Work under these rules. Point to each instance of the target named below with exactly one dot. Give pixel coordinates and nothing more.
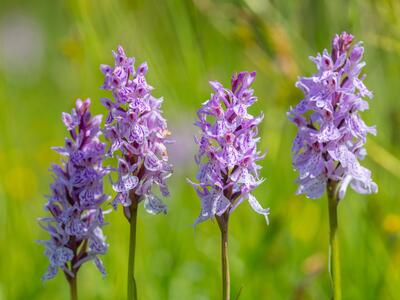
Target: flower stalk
(334, 259)
(132, 291)
(73, 288)
(223, 222)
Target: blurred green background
(50, 53)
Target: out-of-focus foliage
(50, 53)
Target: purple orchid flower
(331, 135)
(227, 158)
(136, 131)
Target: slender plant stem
(73, 287)
(132, 292)
(334, 258)
(223, 226)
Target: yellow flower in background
(391, 223)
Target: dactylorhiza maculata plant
(138, 135)
(76, 198)
(227, 158)
(331, 134)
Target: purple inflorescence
(136, 128)
(227, 156)
(331, 134)
(76, 197)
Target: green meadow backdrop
(50, 53)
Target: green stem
(223, 226)
(334, 258)
(73, 288)
(132, 292)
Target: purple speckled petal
(154, 205)
(255, 205)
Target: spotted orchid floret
(331, 134)
(227, 157)
(74, 205)
(137, 133)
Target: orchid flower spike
(331, 134)
(228, 155)
(76, 217)
(138, 133)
